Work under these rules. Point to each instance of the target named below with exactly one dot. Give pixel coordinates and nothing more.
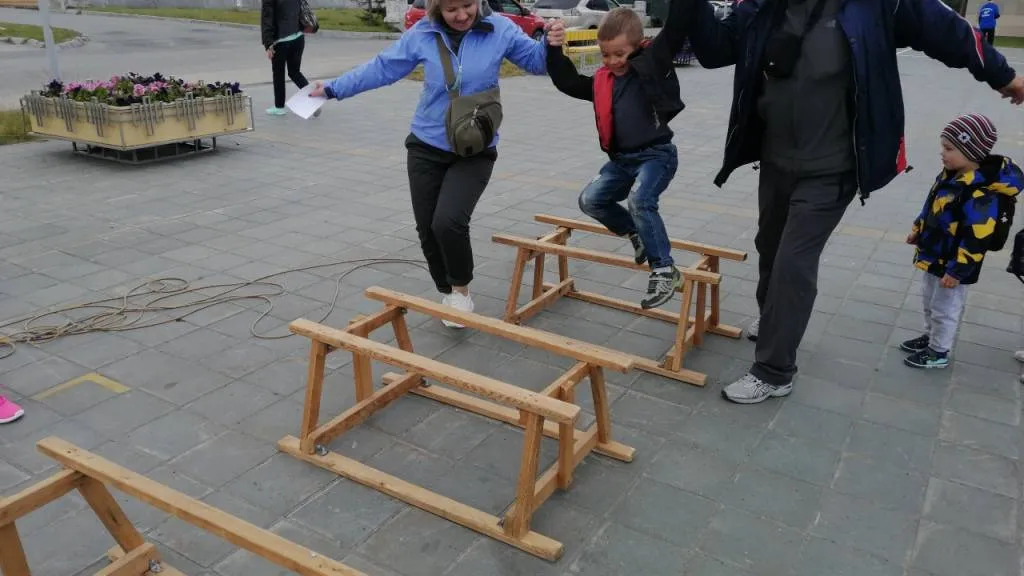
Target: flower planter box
(141, 125)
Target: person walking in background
(283, 26)
(453, 145)
(987, 16)
(961, 220)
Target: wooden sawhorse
(133, 556)
(702, 278)
(551, 412)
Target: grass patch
(36, 32)
(1010, 41)
(13, 127)
(347, 19)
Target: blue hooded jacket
(491, 40)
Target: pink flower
(139, 90)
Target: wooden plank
(682, 375)
(453, 510)
(263, 543)
(550, 294)
(699, 248)
(314, 392)
(538, 276)
(601, 411)
(362, 368)
(487, 409)
(115, 554)
(109, 512)
(519, 523)
(444, 373)
(357, 414)
(683, 332)
(134, 563)
(401, 329)
(568, 347)
(38, 495)
(700, 326)
(585, 443)
(12, 554)
(516, 284)
(715, 294)
(363, 325)
(569, 379)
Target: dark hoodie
(959, 216)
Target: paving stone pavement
(869, 468)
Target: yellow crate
(138, 125)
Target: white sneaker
(753, 329)
(752, 390)
(462, 303)
(1019, 355)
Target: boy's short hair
(621, 21)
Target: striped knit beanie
(972, 134)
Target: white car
(585, 14)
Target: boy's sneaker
(459, 301)
(9, 411)
(919, 344)
(753, 329)
(660, 288)
(927, 358)
(639, 254)
(272, 111)
(1019, 355)
(752, 390)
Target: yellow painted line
(94, 377)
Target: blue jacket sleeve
(713, 41)
(935, 29)
(388, 67)
(980, 213)
(525, 52)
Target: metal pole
(51, 48)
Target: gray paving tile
(821, 556)
(829, 396)
(751, 542)
(859, 524)
(972, 509)
(242, 562)
(888, 485)
(948, 551)
(649, 414)
(976, 468)
(618, 550)
(665, 512)
(783, 499)
(693, 470)
(174, 434)
(984, 434)
(280, 484)
(223, 458)
(233, 403)
(817, 426)
(902, 449)
(902, 414)
(347, 513)
(797, 458)
(418, 530)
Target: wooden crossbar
(688, 246)
(700, 281)
(447, 374)
(263, 543)
(38, 495)
(567, 347)
(550, 413)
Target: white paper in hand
(304, 105)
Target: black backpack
(1007, 205)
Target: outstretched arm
(526, 52)
(388, 67)
(935, 29)
(713, 40)
(565, 77)
(670, 40)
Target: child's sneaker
(915, 345)
(660, 288)
(9, 411)
(927, 358)
(639, 254)
(1019, 355)
(272, 111)
(459, 301)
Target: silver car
(585, 14)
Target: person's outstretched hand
(318, 90)
(1014, 90)
(556, 33)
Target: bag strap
(446, 63)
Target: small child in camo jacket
(954, 229)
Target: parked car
(585, 14)
(532, 24)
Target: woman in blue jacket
(445, 185)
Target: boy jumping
(635, 94)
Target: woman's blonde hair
(434, 8)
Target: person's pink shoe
(9, 411)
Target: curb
(324, 33)
(18, 41)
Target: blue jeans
(651, 169)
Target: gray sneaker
(752, 390)
(753, 329)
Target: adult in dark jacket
(823, 126)
(284, 40)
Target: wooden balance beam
(133, 556)
(702, 278)
(552, 412)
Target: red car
(530, 23)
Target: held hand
(318, 90)
(270, 53)
(1014, 90)
(912, 238)
(556, 33)
(949, 282)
